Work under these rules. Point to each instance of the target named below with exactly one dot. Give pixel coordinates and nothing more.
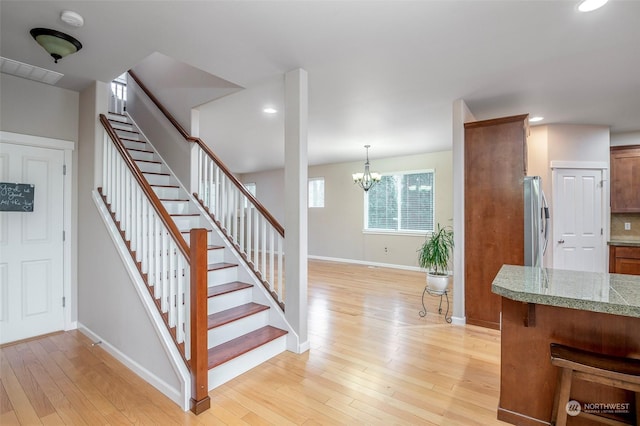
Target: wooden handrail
(253, 200)
(155, 201)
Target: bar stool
(618, 372)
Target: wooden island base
(528, 380)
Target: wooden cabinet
(624, 260)
(625, 179)
(495, 166)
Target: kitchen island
(598, 312)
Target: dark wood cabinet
(624, 260)
(625, 179)
(495, 166)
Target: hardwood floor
(373, 360)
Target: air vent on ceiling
(31, 72)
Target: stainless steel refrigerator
(536, 222)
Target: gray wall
(169, 143)
(103, 297)
(38, 109)
(336, 231)
(108, 304)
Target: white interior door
(577, 220)
(31, 245)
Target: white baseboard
(364, 262)
(71, 326)
(458, 320)
(171, 393)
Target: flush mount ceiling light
(72, 18)
(589, 5)
(56, 43)
(536, 119)
(270, 110)
(367, 179)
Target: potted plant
(434, 256)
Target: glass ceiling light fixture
(56, 43)
(367, 179)
(589, 5)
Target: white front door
(31, 245)
(577, 220)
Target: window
(401, 202)
(316, 192)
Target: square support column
(295, 172)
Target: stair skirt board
(231, 369)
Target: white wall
(336, 231)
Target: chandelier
(367, 179)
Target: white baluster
(272, 253)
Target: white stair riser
(222, 334)
(229, 370)
(145, 166)
(128, 135)
(187, 237)
(229, 300)
(222, 276)
(178, 207)
(135, 145)
(123, 126)
(138, 155)
(215, 256)
(168, 193)
(118, 117)
(158, 179)
(185, 223)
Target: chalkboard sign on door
(16, 197)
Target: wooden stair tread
(137, 150)
(212, 247)
(243, 344)
(156, 173)
(117, 113)
(222, 265)
(230, 315)
(164, 186)
(184, 214)
(128, 131)
(147, 161)
(221, 289)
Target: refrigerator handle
(546, 219)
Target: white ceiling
(383, 73)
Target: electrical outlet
(627, 226)
(386, 250)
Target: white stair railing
(161, 258)
(249, 226)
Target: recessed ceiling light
(589, 5)
(536, 119)
(270, 110)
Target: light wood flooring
(372, 361)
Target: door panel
(578, 224)
(31, 245)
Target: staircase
(245, 326)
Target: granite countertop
(624, 242)
(616, 294)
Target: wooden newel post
(200, 400)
